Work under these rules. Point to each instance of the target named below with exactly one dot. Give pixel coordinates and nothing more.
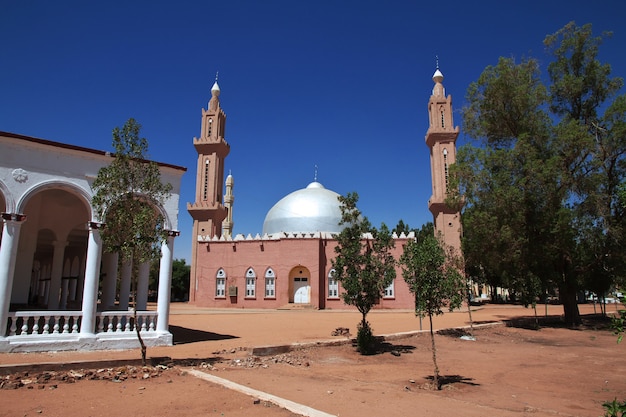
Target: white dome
(309, 210)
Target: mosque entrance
(300, 286)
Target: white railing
(123, 321)
(23, 323)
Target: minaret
(441, 140)
(207, 211)
(229, 199)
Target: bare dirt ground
(509, 370)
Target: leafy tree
(364, 264)
(435, 282)
(180, 279)
(127, 193)
(541, 188)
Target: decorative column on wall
(92, 276)
(8, 252)
(165, 283)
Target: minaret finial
(217, 73)
(436, 61)
(315, 177)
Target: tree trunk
(469, 308)
(134, 283)
(434, 349)
(570, 305)
(138, 331)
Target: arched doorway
(300, 283)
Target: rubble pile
(51, 379)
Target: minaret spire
(441, 140)
(229, 199)
(208, 210)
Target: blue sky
(338, 84)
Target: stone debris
(51, 379)
(296, 358)
(341, 331)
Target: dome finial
(315, 176)
(215, 90)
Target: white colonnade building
(58, 290)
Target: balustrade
(23, 323)
(124, 321)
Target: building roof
(308, 210)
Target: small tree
(364, 264)
(127, 193)
(434, 281)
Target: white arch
(167, 223)
(8, 198)
(81, 193)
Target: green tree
(401, 227)
(364, 264)
(434, 280)
(541, 187)
(179, 290)
(180, 279)
(593, 145)
(127, 194)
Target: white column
(109, 282)
(142, 286)
(127, 270)
(57, 273)
(8, 254)
(165, 283)
(92, 276)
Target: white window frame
(270, 283)
(250, 283)
(390, 291)
(220, 283)
(333, 285)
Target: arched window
(390, 290)
(270, 283)
(333, 285)
(209, 128)
(250, 283)
(220, 283)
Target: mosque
(289, 265)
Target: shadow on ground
(381, 346)
(588, 322)
(183, 335)
(453, 379)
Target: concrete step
(294, 306)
